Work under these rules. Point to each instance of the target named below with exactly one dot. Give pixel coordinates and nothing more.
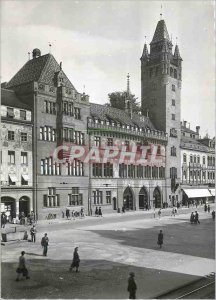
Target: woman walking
(160, 239)
(76, 260)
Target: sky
(99, 42)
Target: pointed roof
(40, 69)
(177, 53)
(145, 51)
(161, 32)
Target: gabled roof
(161, 32)
(108, 113)
(9, 98)
(40, 69)
(192, 144)
(186, 129)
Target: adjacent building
(197, 165)
(16, 155)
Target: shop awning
(25, 177)
(13, 177)
(197, 193)
(212, 191)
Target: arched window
(203, 160)
(191, 158)
(195, 158)
(184, 158)
(185, 175)
(175, 73)
(171, 72)
(198, 159)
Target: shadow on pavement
(97, 279)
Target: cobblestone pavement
(109, 249)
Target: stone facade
(16, 156)
(161, 99)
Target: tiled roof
(109, 113)
(161, 32)
(9, 98)
(40, 69)
(192, 144)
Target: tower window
(173, 102)
(173, 151)
(150, 72)
(173, 87)
(171, 72)
(173, 116)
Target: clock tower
(161, 78)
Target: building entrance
(8, 205)
(143, 198)
(157, 197)
(128, 201)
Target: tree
(117, 100)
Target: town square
(107, 149)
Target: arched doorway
(143, 198)
(157, 197)
(8, 205)
(128, 199)
(24, 205)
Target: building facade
(197, 166)
(71, 139)
(59, 120)
(125, 181)
(16, 155)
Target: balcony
(154, 134)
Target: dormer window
(10, 112)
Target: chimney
(197, 129)
(185, 123)
(36, 53)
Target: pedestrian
(96, 211)
(33, 234)
(132, 287)
(209, 208)
(192, 217)
(82, 212)
(3, 220)
(205, 207)
(22, 267)
(160, 239)
(159, 213)
(173, 212)
(75, 261)
(213, 215)
(196, 217)
(123, 209)
(67, 213)
(45, 244)
(100, 212)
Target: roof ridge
(49, 57)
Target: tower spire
(128, 103)
(161, 14)
(128, 85)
